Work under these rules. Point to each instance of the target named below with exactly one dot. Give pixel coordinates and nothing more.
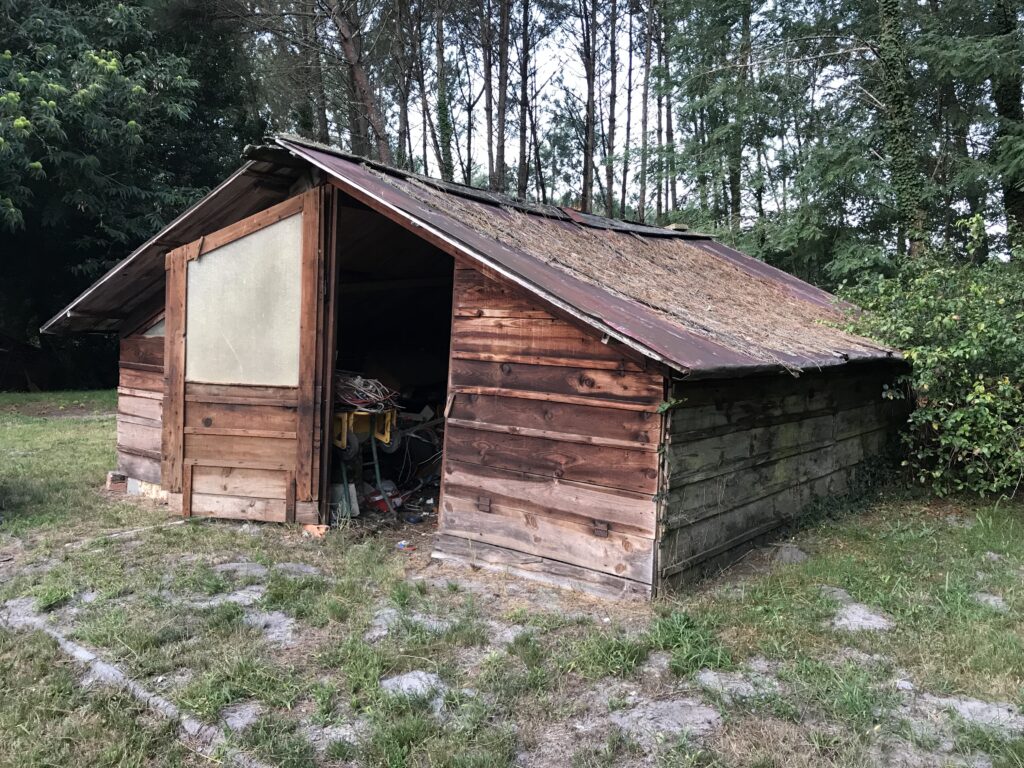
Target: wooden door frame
(328, 353)
(174, 474)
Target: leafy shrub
(961, 325)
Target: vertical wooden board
(289, 497)
(308, 336)
(174, 367)
(329, 328)
(186, 491)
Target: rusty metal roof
(677, 297)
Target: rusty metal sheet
(624, 319)
(136, 279)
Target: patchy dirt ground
(889, 639)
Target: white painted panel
(242, 309)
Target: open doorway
(392, 337)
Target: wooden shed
(623, 405)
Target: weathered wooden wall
(140, 395)
(743, 457)
(551, 446)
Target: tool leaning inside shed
(368, 413)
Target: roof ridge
(546, 210)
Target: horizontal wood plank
(617, 553)
(214, 393)
(240, 416)
(145, 468)
(248, 508)
(539, 495)
(609, 467)
(143, 350)
(237, 481)
(143, 407)
(526, 338)
(130, 378)
(642, 428)
(141, 438)
(536, 568)
(696, 501)
(264, 451)
(581, 384)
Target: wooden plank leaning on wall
(551, 462)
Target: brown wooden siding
(551, 445)
(744, 457)
(140, 395)
(240, 453)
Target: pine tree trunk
(316, 75)
(523, 177)
(738, 120)
(629, 121)
(659, 161)
(588, 21)
(486, 58)
(613, 65)
(1006, 93)
(898, 125)
(444, 112)
(644, 110)
(503, 45)
(348, 37)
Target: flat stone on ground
(732, 686)
(853, 616)
(381, 624)
(416, 683)
(662, 720)
(995, 602)
(242, 569)
(277, 627)
(245, 597)
(240, 716)
(297, 569)
(321, 737)
(860, 618)
(1001, 716)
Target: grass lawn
(298, 649)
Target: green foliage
(694, 646)
(84, 91)
(962, 328)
